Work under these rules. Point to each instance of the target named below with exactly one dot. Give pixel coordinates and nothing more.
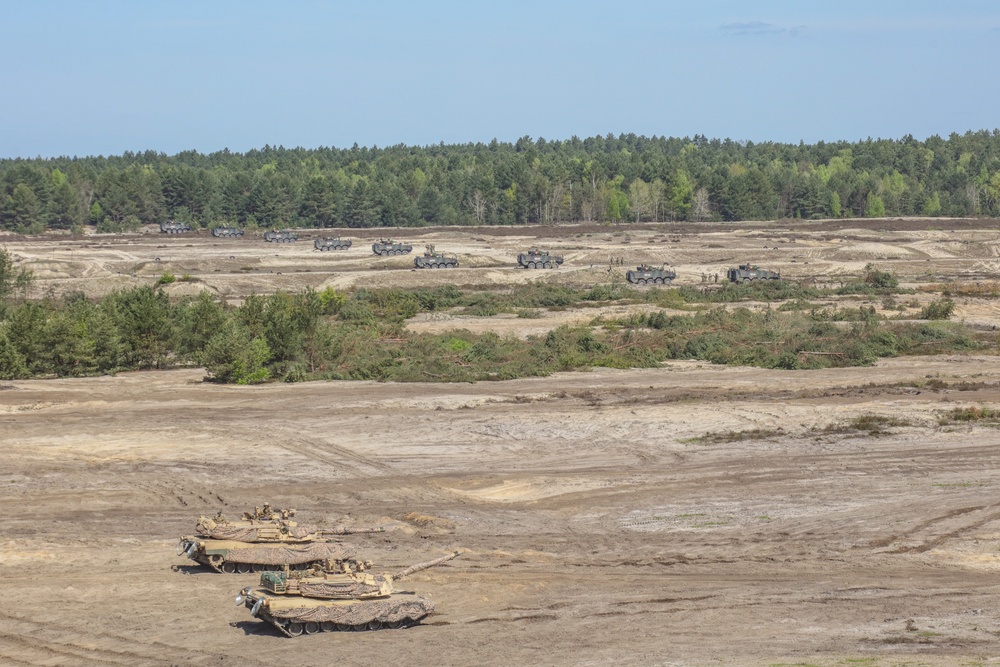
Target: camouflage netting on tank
(267, 554)
(249, 533)
(333, 590)
(388, 611)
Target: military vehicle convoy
(171, 227)
(284, 236)
(435, 260)
(328, 243)
(265, 540)
(646, 274)
(386, 247)
(744, 273)
(227, 232)
(538, 259)
(336, 597)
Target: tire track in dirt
(934, 541)
(34, 643)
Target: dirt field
(601, 527)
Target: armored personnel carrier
(386, 247)
(646, 274)
(171, 227)
(328, 243)
(538, 259)
(284, 236)
(265, 540)
(744, 273)
(227, 232)
(338, 598)
(435, 260)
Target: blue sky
(101, 77)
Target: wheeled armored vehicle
(435, 260)
(538, 259)
(227, 232)
(646, 274)
(386, 247)
(328, 243)
(171, 227)
(744, 273)
(284, 236)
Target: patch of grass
(978, 413)
(871, 424)
(738, 436)
(166, 278)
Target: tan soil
(600, 530)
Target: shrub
(941, 309)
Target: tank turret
(336, 597)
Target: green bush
(941, 309)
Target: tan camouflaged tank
(265, 540)
(336, 598)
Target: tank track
(221, 565)
(297, 628)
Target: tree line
(624, 178)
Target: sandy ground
(600, 529)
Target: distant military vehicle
(330, 243)
(226, 232)
(386, 247)
(646, 274)
(284, 236)
(744, 273)
(538, 259)
(171, 227)
(336, 598)
(264, 540)
(435, 260)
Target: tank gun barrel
(423, 566)
(350, 531)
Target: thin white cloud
(759, 28)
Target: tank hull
(230, 557)
(294, 615)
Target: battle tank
(538, 259)
(226, 232)
(330, 243)
(171, 227)
(263, 541)
(435, 260)
(646, 274)
(386, 247)
(284, 236)
(744, 273)
(336, 598)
